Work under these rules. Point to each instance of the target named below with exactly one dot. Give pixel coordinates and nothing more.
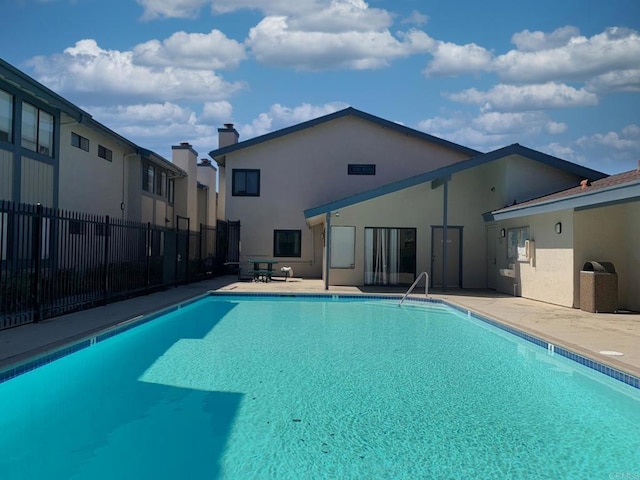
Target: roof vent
(185, 144)
(228, 126)
(585, 183)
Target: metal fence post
(105, 285)
(149, 247)
(37, 254)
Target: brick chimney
(227, 135)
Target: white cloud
(305, 34)
(273, 42)
(212, 51)
(280, 116)
(440, 124)
(619, 81)
(526, 97)
(271, 7)
(219, 111)
(491, 130)
(521, 123)
(450, 59)
(416, 18)
(151, 113)
(527, 41)
(342, 16)
(564, 152)
(627, 140)
(580, 58)
(171, 8)
(86, 69)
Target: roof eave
(616, 194)
(350, 111)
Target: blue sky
(559, 76)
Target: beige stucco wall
(548, 277)
(186, 197)
(525, 179)
(471, 193)
(207, 207)
(309, 168)
(611, 234)
(89, 183)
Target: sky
(559, 76)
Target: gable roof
(622, 187)
(445, 172)
(350, 111)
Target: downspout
(327, 239)
(444, 234)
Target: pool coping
(43, 358)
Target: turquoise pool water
(300, 388)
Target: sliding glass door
(390, 256)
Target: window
(343, 247)
(37, 130)
(286, 243)
(29, 126)
(161, 185)
(148, 178)
(361, 169)
(246, 183)
(6, 116)
(516, 238)
(79, 141)
(104, 152)
(171, 188)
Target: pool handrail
(426, 286)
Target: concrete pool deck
(584, 333)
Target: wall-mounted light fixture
(558, 228)
(337, 214)
(503, 233)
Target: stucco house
(593, 221)
(54, 153)
(358, 200)
(267, 182)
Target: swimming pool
(240, 387)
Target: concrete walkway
(582, 332)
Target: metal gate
(228, 247)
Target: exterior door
(453, 274)
(492, 260)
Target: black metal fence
(54, 262)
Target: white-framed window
(343, 247)
(516, 243)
